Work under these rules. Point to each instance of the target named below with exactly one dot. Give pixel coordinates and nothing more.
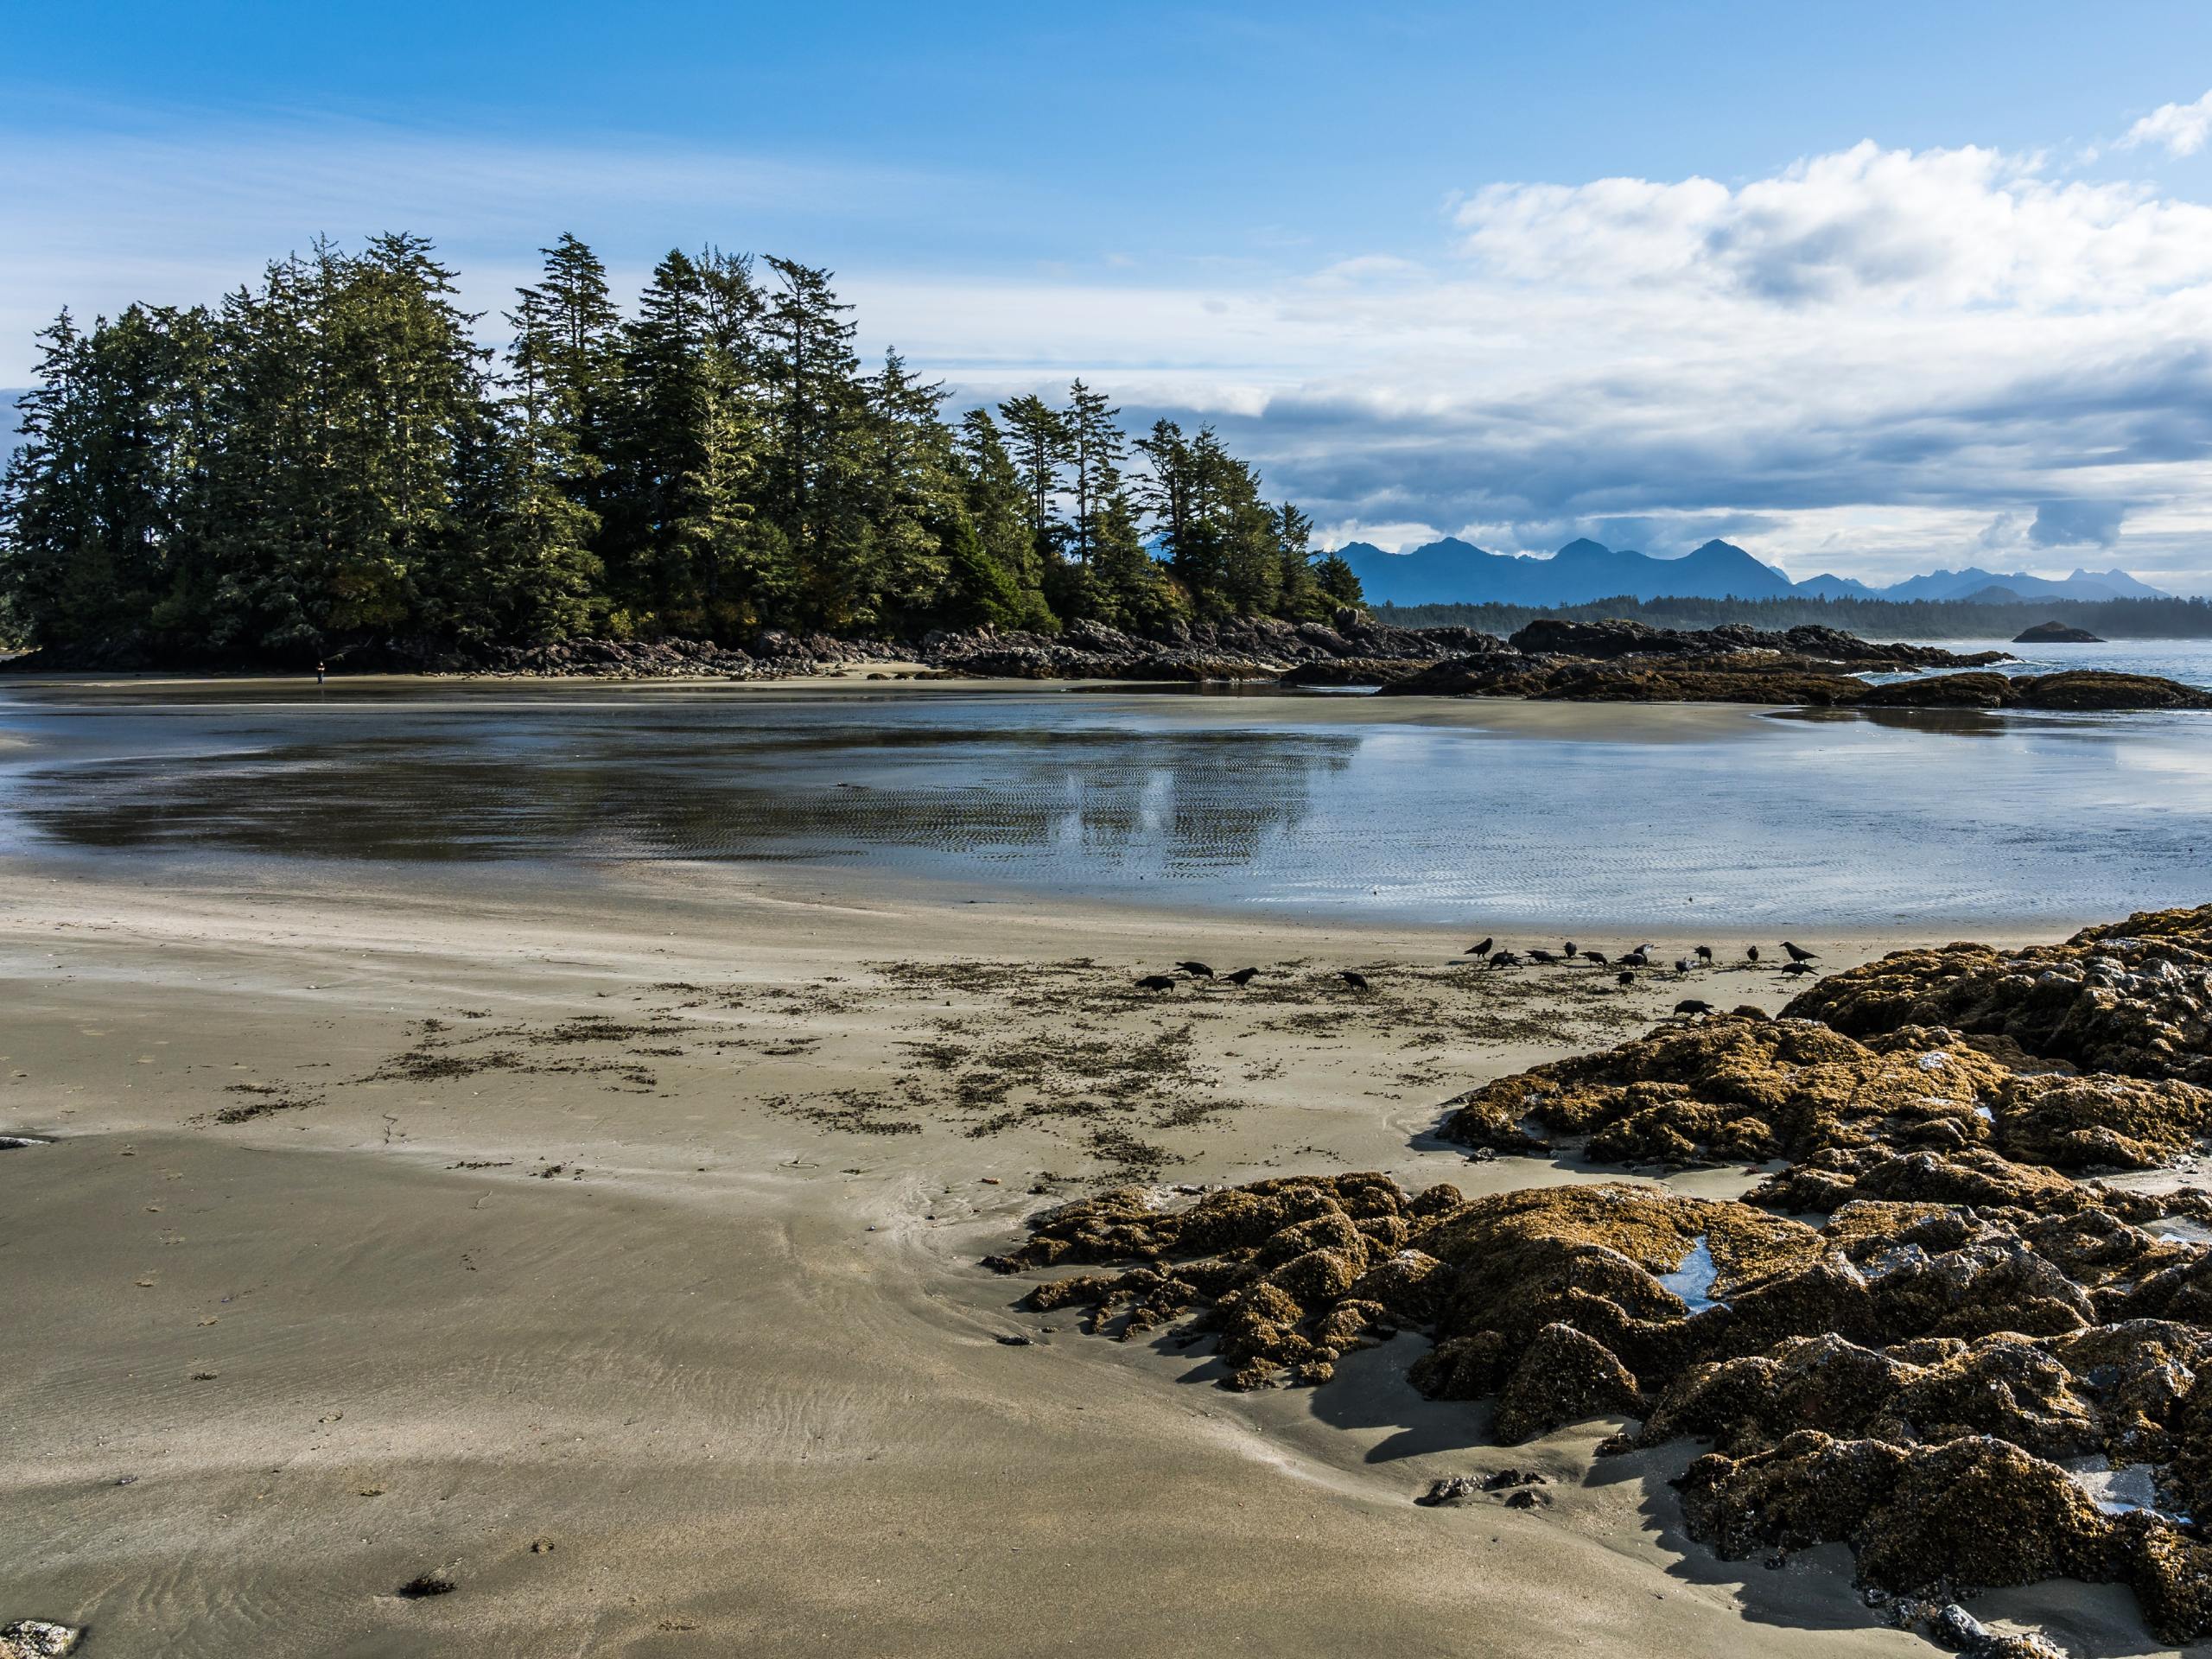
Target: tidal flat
(476, 1133)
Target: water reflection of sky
(1656, 816)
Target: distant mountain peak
(1452, 571)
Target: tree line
(330, 457)
(1870, 619)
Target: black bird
(1692, 1005)
(1505, 958)
(1798, 952)
(1568, 950)
(1196, 969)
(1482, 949)
(1243, 976)
(1751, 952)
(1597, 956)
(1157, 983)
(1357, 982)
(1544, 957)
(1704, 953)
(1795, 968)
(1640, 957)
(1626, 979)
(1682, 964)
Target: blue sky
(1868, 288)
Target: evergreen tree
(816, 412)
(329, 460)
(998, 576)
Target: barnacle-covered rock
(2130, 998)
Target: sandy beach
(615, 1254)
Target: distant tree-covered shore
(1870, 619)
(328, 459)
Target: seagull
(1798, 952)
(1705, 953)
(1355, 980)
(1692, 1006)
(1482, 949)
(1243, 976)
(1157, 983)
(1196, 969)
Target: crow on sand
(1157, 983)
(1796, 969)
(1798, 952)
(1692, 1005)
(1597, 956)
(1243, 976)
(1704, 953)
(1357, 982)
(1482, 949)
(1196, 969)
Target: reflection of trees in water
(1185, 800)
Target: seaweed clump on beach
(2132, 998)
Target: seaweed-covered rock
(2054, 633)
(1735, 1088)
(2132, 998)
(1563, 1378)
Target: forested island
(328, 464)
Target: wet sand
(615, 1252)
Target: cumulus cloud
(2074, 524)
(2178, 129)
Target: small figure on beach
(1357, 982)
(318, 673)
(1196, 969)
(1242, 977)
(1157, 983)
(1798, 952)
(1482, 949)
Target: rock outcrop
(2054, 633)
(1925, 1336)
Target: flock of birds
(1624, 965)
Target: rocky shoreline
(1934, 1332)
(1548, 660)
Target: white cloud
(2178, 129)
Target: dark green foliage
(328, 461)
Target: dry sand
(614, 1252)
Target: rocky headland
(1550, 659)
(1940, 1330)
(2055, 633)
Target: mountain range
(1453, 572)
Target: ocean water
(1451, 812)
(2189, 661)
